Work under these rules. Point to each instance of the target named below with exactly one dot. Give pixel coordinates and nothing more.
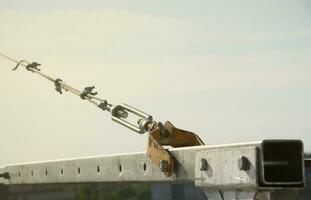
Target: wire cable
(88, 95)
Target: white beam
(223, 170)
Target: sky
(230, 71)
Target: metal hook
(87, 91)
(19, 63)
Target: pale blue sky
(231, 71)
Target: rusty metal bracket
(168, 135)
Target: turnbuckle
(142, 124)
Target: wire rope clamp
(33, 66)
(58, 86)
(88, 91)
(103, 105)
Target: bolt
(163, 165)
(204, 164)
(243, 163)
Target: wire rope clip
(88, 91)
(33, 66)
(58, 86)
(103, 105)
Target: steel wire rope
(118, 112)
(89, 97)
